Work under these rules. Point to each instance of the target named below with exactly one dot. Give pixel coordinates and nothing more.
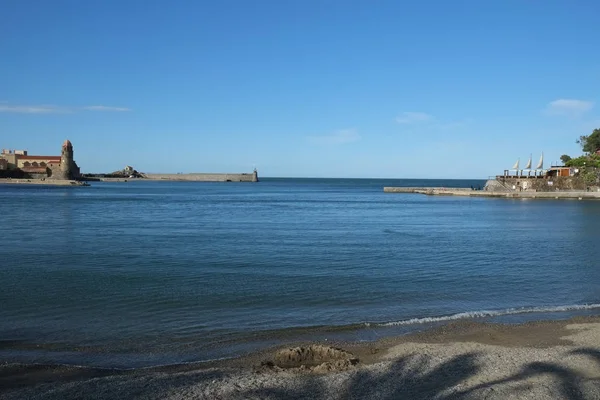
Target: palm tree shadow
(410, 377)
(407, 377)
(587, 351)
(569, 381)
(412, 380)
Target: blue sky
(327, 88)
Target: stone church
(19, 164)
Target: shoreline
(467, 192)
(461, 358)
(237, 346)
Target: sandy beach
(462, 360)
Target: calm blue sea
(147, 273)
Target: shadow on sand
(406, 378)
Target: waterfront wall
(436, 191)
(425, 190)
(252, 177)
(43, 181)
(546, 184)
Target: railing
(519, 176)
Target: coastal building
(20, 164)
(538, 179)
(561, 171)
(527, 171)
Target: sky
(303, 88)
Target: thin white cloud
(341, 136)
(569, 107)
(411, 117)
(39, 109)
(52, 109)
(106, 108)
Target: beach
(536, 360)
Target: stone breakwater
(251, 177)
(467, 192)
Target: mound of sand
(315, 358)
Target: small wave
(401, 233)
(497, 313)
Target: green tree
(565, 158)
(590, 143)
(591, 161)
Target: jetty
(556, 182)
(468, 192)
(202, 177)
(130, 174)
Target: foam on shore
(493, 313)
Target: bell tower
(66, 160)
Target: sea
(139, 274)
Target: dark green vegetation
(591, 143)
(565, 158)
(588, 163)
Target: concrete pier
(468, 192)
(251, 177)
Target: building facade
(19, 164)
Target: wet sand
(461, 360)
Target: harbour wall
(541, 184)
(467, 192)
(199, 177)
(47, 182)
